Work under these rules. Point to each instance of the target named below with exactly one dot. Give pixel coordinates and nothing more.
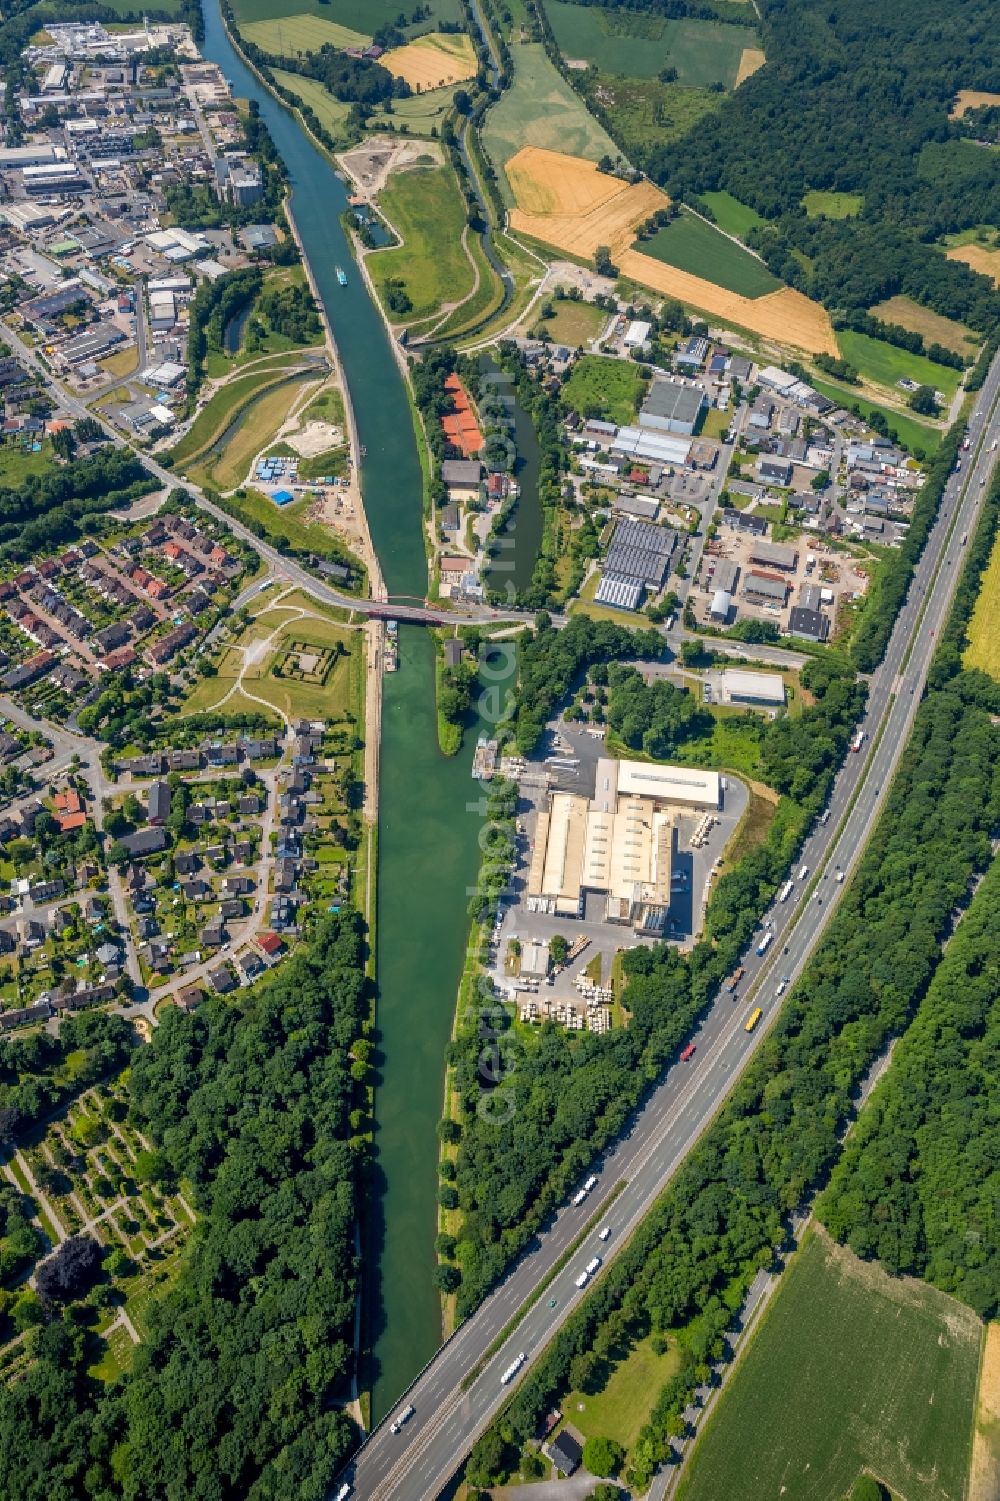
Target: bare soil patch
(752, 59)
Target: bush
(603, 1456)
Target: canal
(428, 850)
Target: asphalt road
(419, 1461)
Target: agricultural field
(433, 61)
(732, 216)
(642, 45)
(921, 320)
(540, 109)
(913, 434)
(983, 650)
(967, 99)
(565, 201)
(425, 207)
(571, 322)
(850, 1371)
(985, 261)
(330, 112)
(693, 245)
(286, 36)
(820, 204)
(885, 364)
(360, 16)
(611, 389)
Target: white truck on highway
(513, 1369)
(785, 892)
(582, 1193)
(803, 872)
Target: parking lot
(694, 870)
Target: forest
(250, 1103)
(725, 1214)
(573, 1092)
(855, 98)
(47, 510)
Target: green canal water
(428, 850)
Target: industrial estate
(499, 750)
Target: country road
(451, 1408)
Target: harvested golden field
(967, 99)
(751, 61)
(979, 258)
(433, 61)
(787, 317)
(567, 202)
(984, 1477)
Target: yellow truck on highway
(753, 1018)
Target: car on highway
(343, 1493)
(604, 1233)
(687, 1053)
(840, 877)
(404, 1417)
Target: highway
(419, 1461)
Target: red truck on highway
(735, 978)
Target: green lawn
(365, 16)
(16, 463)
(640, 45)
(731, 215)
(693, 245)
(910, 432)
(330, 112)
(820, 204)
(572, 323)
(426, 208)
(885, 364)
(420, 115)
(850, 1370)
(614, 387)
(619, 1411)
(540, 109)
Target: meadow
(421, 114)
(287, 35)
(910, 432)
(921, 320)
(221, 441)
(641, 45)
(886, 365)
(850, 1370)
(820, 204)
(732, 216)
(330, 112)
(692, 245)
(571, 323)
(364, 16)
(649, 113)
(983, 650)
(540, 109)
(610, 388)
(619, 1410)
(426, 208)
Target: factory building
(758, 690)
(671, 408)
(621, 844)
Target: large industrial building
(758, 690)
(672, 408)
(620, 844)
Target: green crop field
(330, 112)
(910, 431)
(732, 216)
(365, 16)
(612, 387)
(692, 245)
(820, 204)
(641, 45)
(424, 205)
(287, 35)
(886, 365)
(540, 109)
(851, 1370)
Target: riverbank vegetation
(454, 687)
(242, 1100)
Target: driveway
(575, 1488)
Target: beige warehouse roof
(689, 785)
